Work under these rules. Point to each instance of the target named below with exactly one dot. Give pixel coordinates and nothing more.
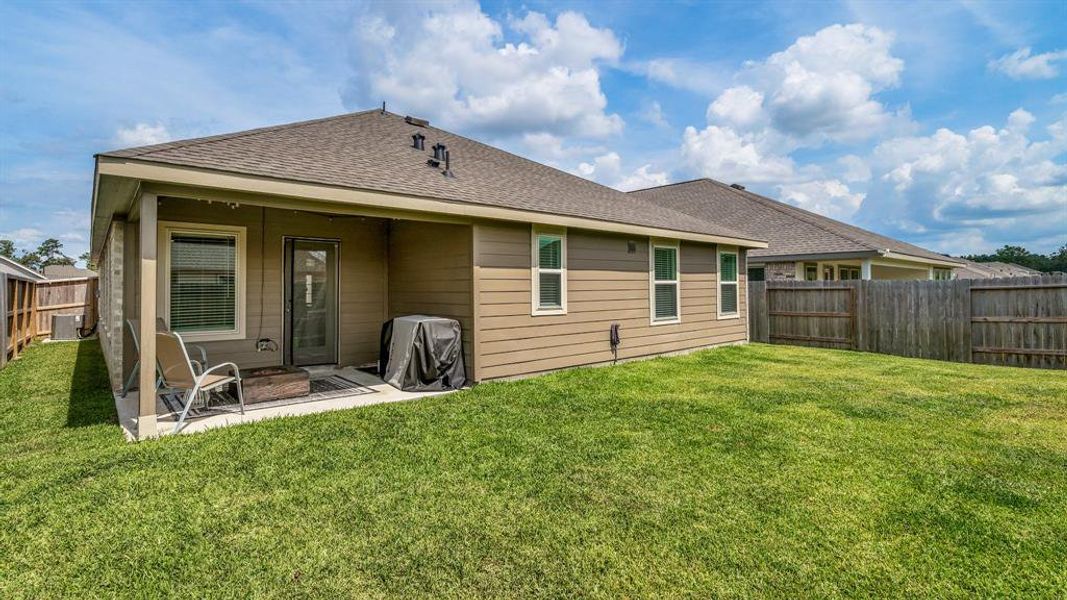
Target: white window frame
(536, 270)
(652, 281)
(719, 253)
(165, 230)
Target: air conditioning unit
(65, 327)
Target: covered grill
(421, 353)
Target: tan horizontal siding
(361, 276)
(430, 273)
(605, 284)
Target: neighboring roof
(993, 270)
(791, 231)
(19, 270)
(67, 272)
(372, 150)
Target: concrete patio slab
(375, 391)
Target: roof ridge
(218, 137)
(804, 215)
(635, 199)
(656, 187)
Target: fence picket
(1019, 321)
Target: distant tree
(1016, 255)
(87, 260)
(1057, 261)
(7, 248)
(50, 252)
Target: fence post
(3, 321)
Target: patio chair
(134, 326)
(177, 372)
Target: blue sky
(944, 124)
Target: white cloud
(827, 197)
(818, 90)
(722, 153)
(683, 74)
(741, 107)
(855, 168)
(653, 113)
(607, 169)
(24, 237)
(453, 63)
(1022, 65)
(142, 134)
(822, 86)
(642, 178)
(996, 185)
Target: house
(371, 215)
(67, 272)
(17, 270)
(993, 270)
(802, 245)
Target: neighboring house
(363, 217)
(802, 245)
(67, 272)
(993, 270)
(18, 270)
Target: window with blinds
(665, 283)
(550, 279)
(202, 278)
(727, 284)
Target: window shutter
(203, 282)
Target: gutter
(257, 184)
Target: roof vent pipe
(448, 164)
(737, 186)
(418, 141)
(439, 151)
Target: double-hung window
(848, 272)
(727, 284)
(665, 288)
(202, 276)
(549, 273)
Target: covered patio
(260, 281)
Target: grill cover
(422, 354)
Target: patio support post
(865, 269)
(146, 419)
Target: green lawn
(744, 471)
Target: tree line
(1055, 261)
(47, 253)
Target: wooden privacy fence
(73, 296)
(18, 298)
(1020, 321)
(29, 307)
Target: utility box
(66, 327)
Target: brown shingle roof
(789, 230)
(372, 150)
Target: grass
(745, 471)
